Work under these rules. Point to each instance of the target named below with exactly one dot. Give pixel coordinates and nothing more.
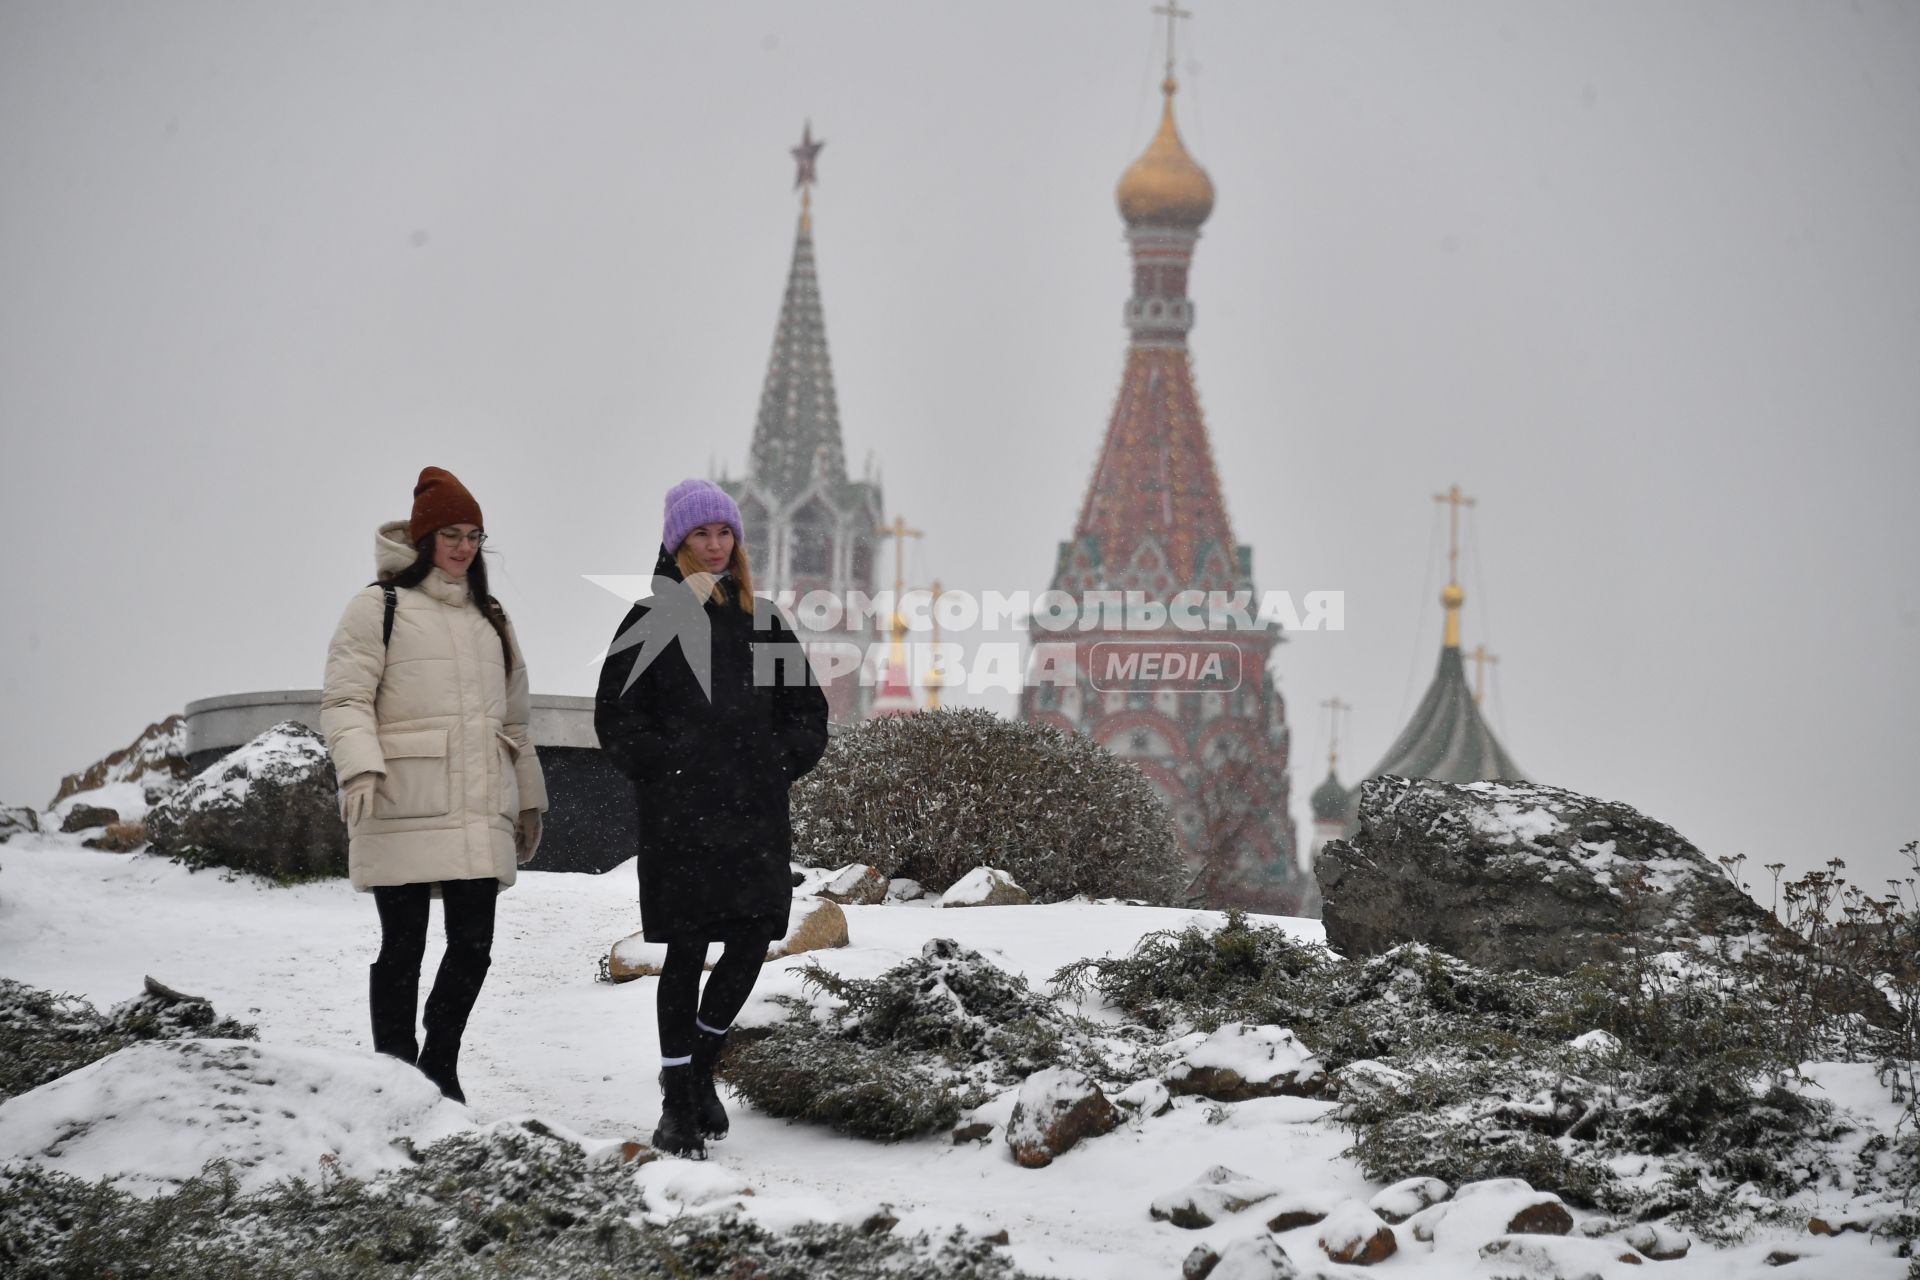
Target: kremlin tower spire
(808, 525)
(1154, 526)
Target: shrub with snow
(1689, 1095)
(44, 1036)
(932, 795)
(905, 1053)
(516, 1201)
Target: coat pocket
(508, 752)
(416, 783)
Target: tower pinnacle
(805, 156)
(1453, 595)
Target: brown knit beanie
(438, 501)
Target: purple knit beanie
(692, 503)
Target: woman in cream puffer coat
(440, 783)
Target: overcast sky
(1643, 278)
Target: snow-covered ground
(547, 1040)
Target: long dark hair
(416, 573)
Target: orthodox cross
(1454, 500)
(1480, 660)
(899, 532)
(1173, 14)
(1335, 705)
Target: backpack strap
(386, 623)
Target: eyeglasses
(453, 537)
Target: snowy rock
(1301, 1206)
(1212, 1196)
(1547, 1258)
(270, 806)
(814, 924)
(17, 820)
(901, 889)
(1481, 1211)
(1145, 1098)
(1199, 1264)
(1659, 1241)
(1056, 1109)
(1512, 875)
(86, 817)
(634, 957)
(1354, 1234)
(1255, 1258)
(1407, 1197)
(149, 1116)
(857, 885)
(1238, 1062)
(985, 887)
(156, 761)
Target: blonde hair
(739, 566)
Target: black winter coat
(710, 776)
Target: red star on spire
(804, 155)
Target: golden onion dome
(1165, 187)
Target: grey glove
(526, 834)
(356, 798)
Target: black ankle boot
(712, 1117)
(678, 1133)
(393, 995)
(455, 988)
(440, 1062)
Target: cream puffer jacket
(436, 714)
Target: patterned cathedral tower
(809, 527)
(1154, 522)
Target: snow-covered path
(549, 1040)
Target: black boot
(455, 989)
(440, 1062)
(707, 1048)
(393, 994)
(678, 1133)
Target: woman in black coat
(707, 703)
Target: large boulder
(88, 817)
(985, 887)
(814, 924)
(857, 885)
(156, 760)
(16, 820)
(1510, 875)
(269, 807)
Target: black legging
(680, 1000)
(469, 906)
